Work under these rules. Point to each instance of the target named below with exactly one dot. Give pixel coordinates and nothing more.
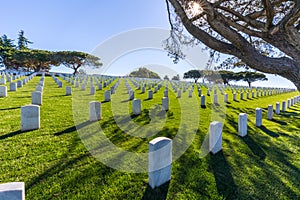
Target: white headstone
(159, 161)
(289, 103)
(30, 117)
(36, 98)
(3, 81)
(215, 137)
(234, 96)
(83, 86)
(202, 103)
(92, 90)
(12, 191)
(199, 93)
(13, 86)
(179, 94)
(216, 101)
(100, 86)
(136, 107)
(39, 88)
(165, 103)
(68, 90)
(150, 94)
(3, 91)
(190, 93)
(242, 96)
(107, 95)
(270, 112)
(226, 98)
(166, 93)
(277, 110)
(242, 124)
(131, 95)
(143, 89)
(20, 83)
(95, 111)
(284, 106)
(258, 121)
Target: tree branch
(269, 13)
(200, 34)
(247, 19)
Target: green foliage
(225, 77)
(176, 78)
(143, 72)
(250, 77)
(194, 74)
(75, 59)
(23, 41)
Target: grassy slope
(54, 163)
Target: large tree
(194, 74)
(250, 77)
(75, 59)
(263, 34)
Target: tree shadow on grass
(222, 172)
(2, 137)
(158, 193)
(269, 132)
(254, 147)
(282, 123)
(73, 128)
(10, 108)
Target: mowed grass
(55, 164)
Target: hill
(144, 73)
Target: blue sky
(84, 25)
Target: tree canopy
(261, 34)
(194, 74)
(250, 77)
(176, 78)
(224, 76)
(144, 73)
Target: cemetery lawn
(54, 163)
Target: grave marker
(159, 161)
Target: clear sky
(84, 25)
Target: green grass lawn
(54, 162)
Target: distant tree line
(224, 76)
(144, 73)
(20, 57)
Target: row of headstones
(95, 107)
(37, 95)
(141, 84)
(57, 81)
(100, 81)
(15, 85)
(8, 78)
(30, 114)
(150, 92)
(160, 149)
(243, 118)
(92, 87)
